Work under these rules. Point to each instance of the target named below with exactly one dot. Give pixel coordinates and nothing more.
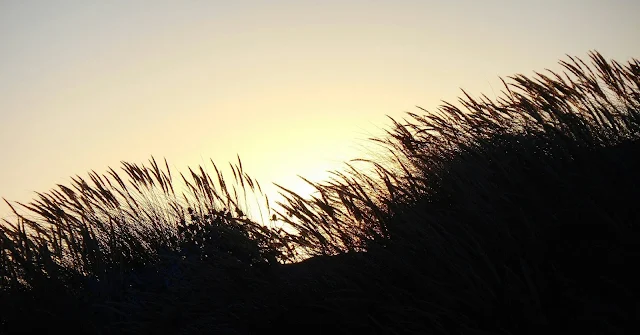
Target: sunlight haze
(292, 87)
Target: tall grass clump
(514, 215)
(104, 236)
(506, 216)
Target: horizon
(281, 85)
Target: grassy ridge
(510, 216)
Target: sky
(292, 87)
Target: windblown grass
(583, 109)
(504, 216)
(510, 216)
(94, 239)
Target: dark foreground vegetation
(514, 216)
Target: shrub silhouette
(511, 216)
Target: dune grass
(506, 216)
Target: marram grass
(506, 216)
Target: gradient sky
(293, 87)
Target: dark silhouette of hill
(515, 216)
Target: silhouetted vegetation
(507, 216)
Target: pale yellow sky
(293, 87)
